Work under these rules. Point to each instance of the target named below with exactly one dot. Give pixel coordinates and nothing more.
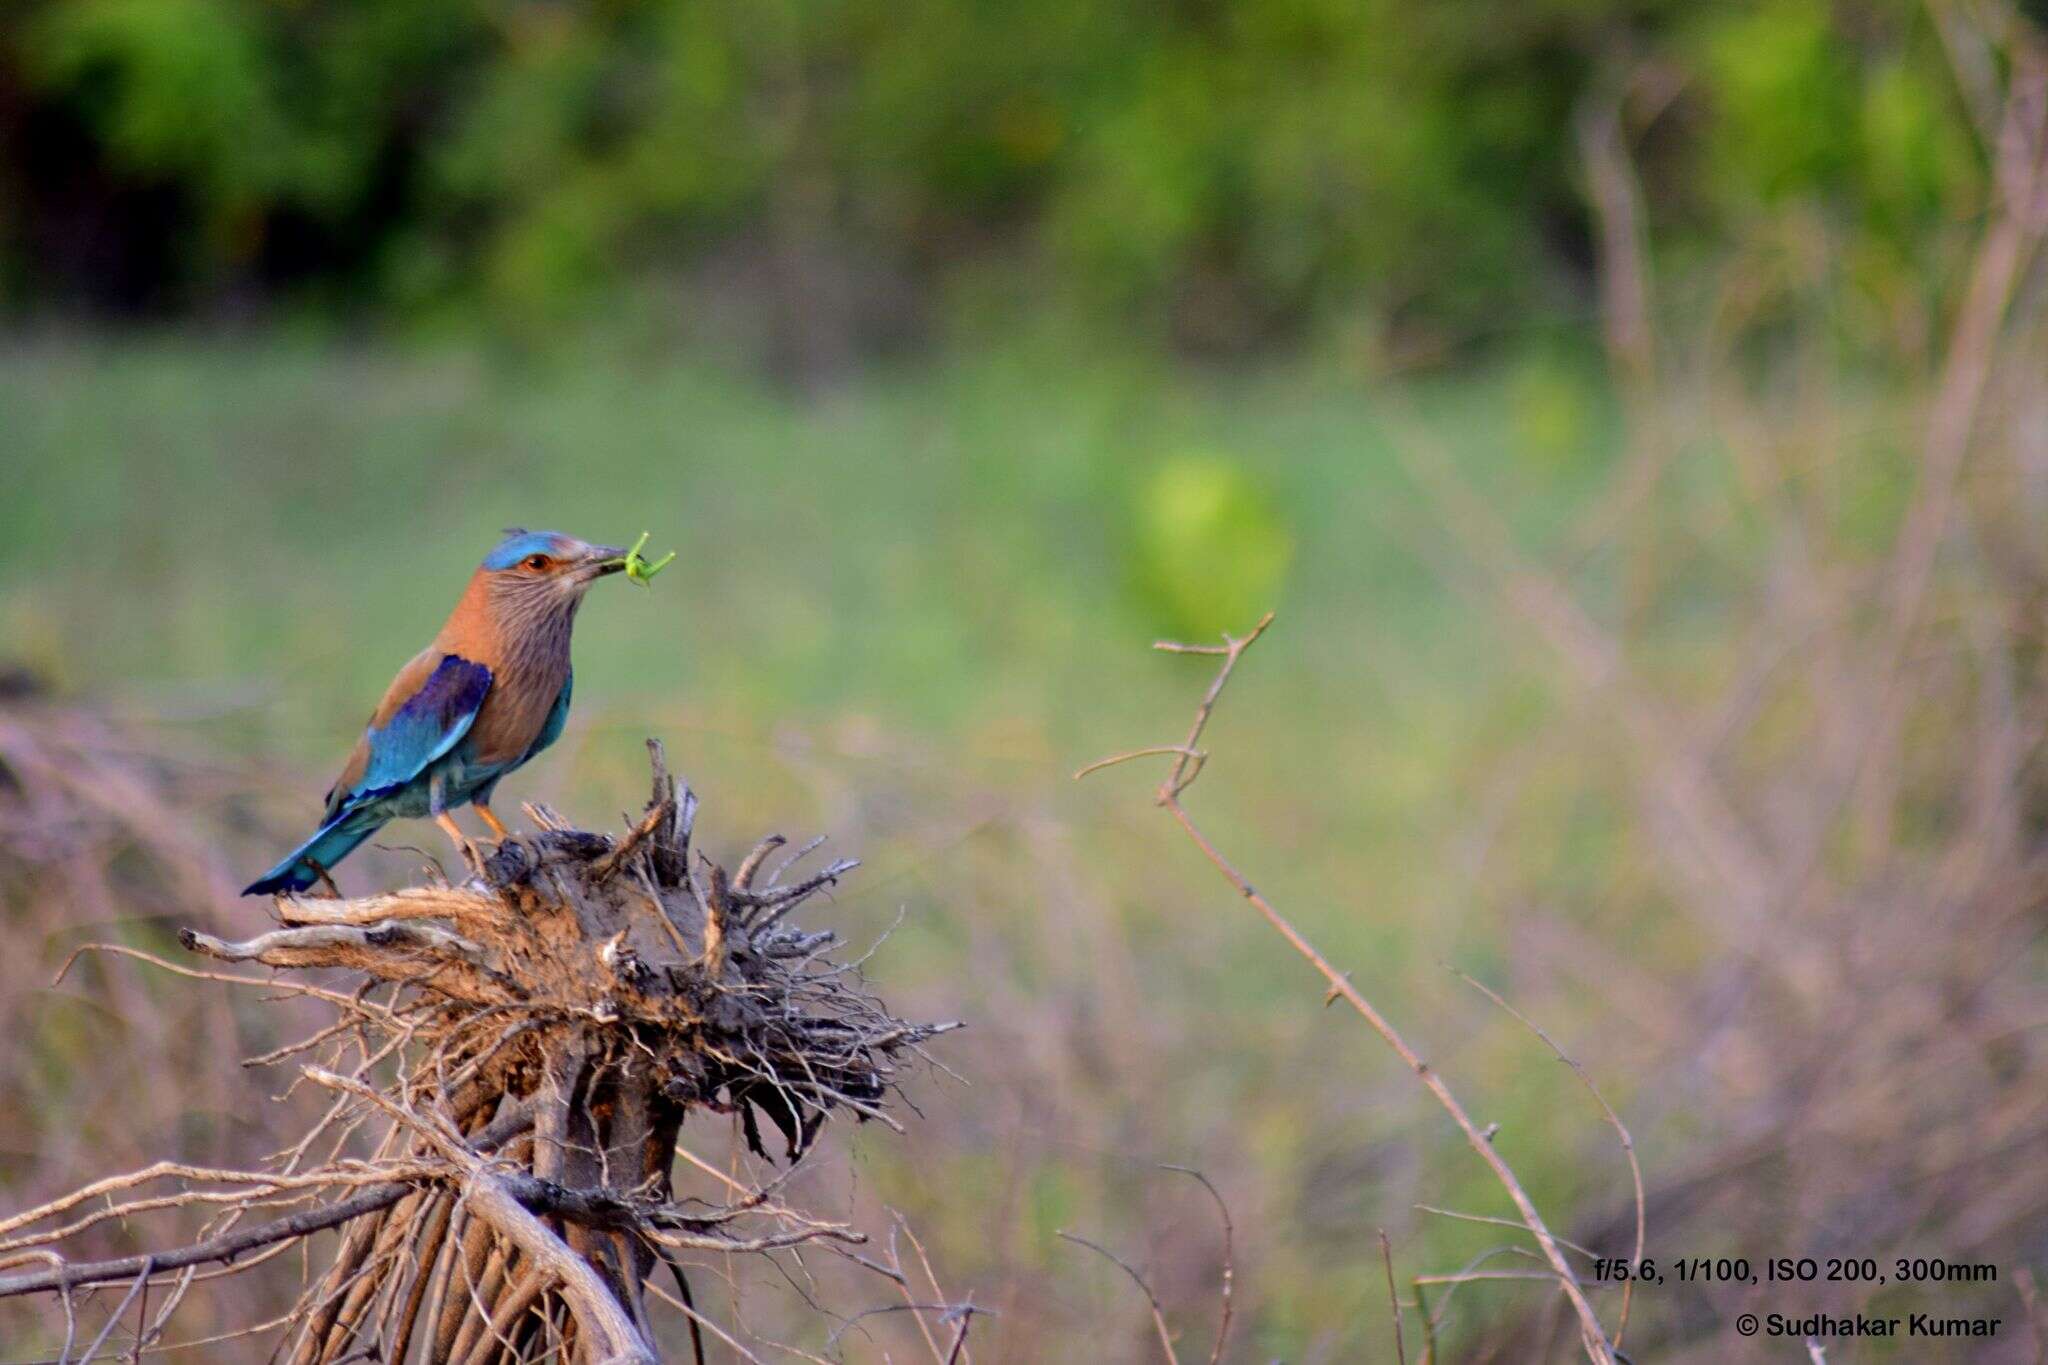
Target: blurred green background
(962, 349)
(853, 177)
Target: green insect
(640, 570)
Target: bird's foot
(499, 833)
(464, 845)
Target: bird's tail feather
(330, 843)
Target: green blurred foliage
(1553, 410)
(1226, 175)
(1208, 548)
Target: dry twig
(1628, 1143)
(1393, 1299)
(1168, 795)
(1229, 1278)
(1152, 1299)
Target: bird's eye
(537, 562)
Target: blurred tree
(1225, 175)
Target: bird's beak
(602, 560)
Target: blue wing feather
(430, 723)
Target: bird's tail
(330, 843)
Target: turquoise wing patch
(430, 723)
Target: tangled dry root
(518, 1059)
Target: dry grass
(1839, 817)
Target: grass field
(903, 612)
(953, 555)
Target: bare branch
(1158, 1316)
(226, 1247)
(1168, 796)
(1393, 1299)
(1229, 1258)
(1628, 1143)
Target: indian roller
(488, 694)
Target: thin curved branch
(1628, 1143)
(1229, 1256)
(1158, 1315)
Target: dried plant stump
(510, 1073)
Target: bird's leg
(454, 831)
(489, 817)
(463, 844)
(437, 803)
(325, 880)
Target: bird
(488, 694)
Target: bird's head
(540, 567)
